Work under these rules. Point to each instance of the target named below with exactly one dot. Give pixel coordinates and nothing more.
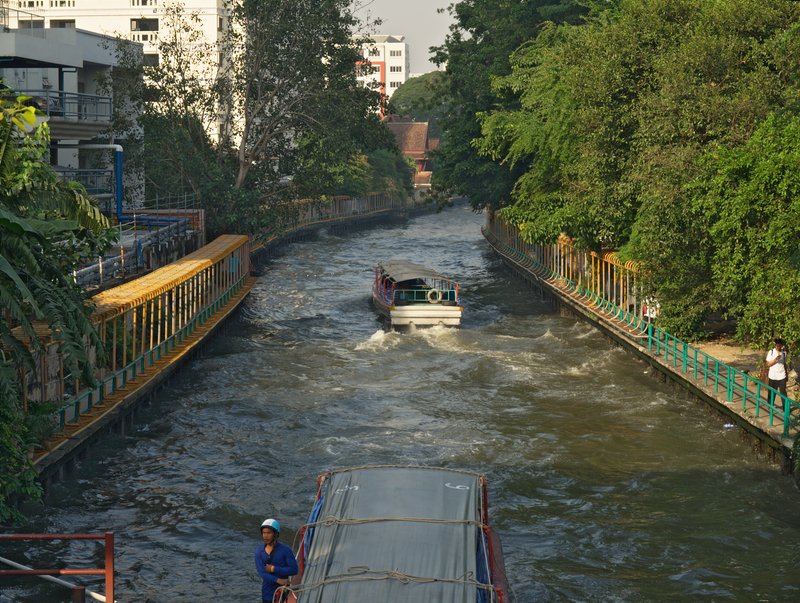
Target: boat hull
(420, 315)
(411, 295)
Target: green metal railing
(737, 386)
(421, 295)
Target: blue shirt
(285, 565)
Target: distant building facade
(136, 20)
(60, 69)
(387, 62)
(413, 140)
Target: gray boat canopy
(397, 534)
(399, 271)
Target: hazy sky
(417, 20)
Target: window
(62, 23)
(394, 84)
(395, 53)
(150, 60)
(32, 24)
(144, 24)
(396, 68)
(374, 52)
(144, 2)
(62, 3)
(221, 24)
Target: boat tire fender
(434, 296)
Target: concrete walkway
(745, 359)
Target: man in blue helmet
(275, 562)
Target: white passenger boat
(408, 294)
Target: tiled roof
(411, 137)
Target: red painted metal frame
(107, 571)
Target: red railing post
(79, 594)
(109, 567)
(78, 591)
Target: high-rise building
(136, 20)
(387, 61)
(61, 70)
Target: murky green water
(606, 485)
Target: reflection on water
(606, 485)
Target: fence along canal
(149, 324)
(603, 288)
(606, 484)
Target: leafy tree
(481, 39)
(46, 227)
(713, 88)
(749, 197)
(332, 157)
(422, 98)
(284, 61)
(617, 119)
(307, 118)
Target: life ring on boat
(434, 296)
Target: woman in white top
(776, 361)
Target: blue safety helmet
(271, 523)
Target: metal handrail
(71, 105)
(77, 590)
(84, 402)
(682, 356)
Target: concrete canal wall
(602, 291)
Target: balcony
(72, 115)
(99, 183)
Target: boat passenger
(275, 562)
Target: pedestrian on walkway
(275, 562)
(776, 362)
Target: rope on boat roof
(362, 573)
(332, 520)
(360, 467)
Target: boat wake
(379, 340)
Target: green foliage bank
(47, 227)
(666, 129)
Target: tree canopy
(273, 113)
(482, 37)
(47, 227)
(422, 98)
(664, 129)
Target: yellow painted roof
(114, 302)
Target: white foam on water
(548, 335)
(379, 340)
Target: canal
(605, 484)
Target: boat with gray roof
(408, 294)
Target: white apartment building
(137, 20)
(59, 70)
(387, 57)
